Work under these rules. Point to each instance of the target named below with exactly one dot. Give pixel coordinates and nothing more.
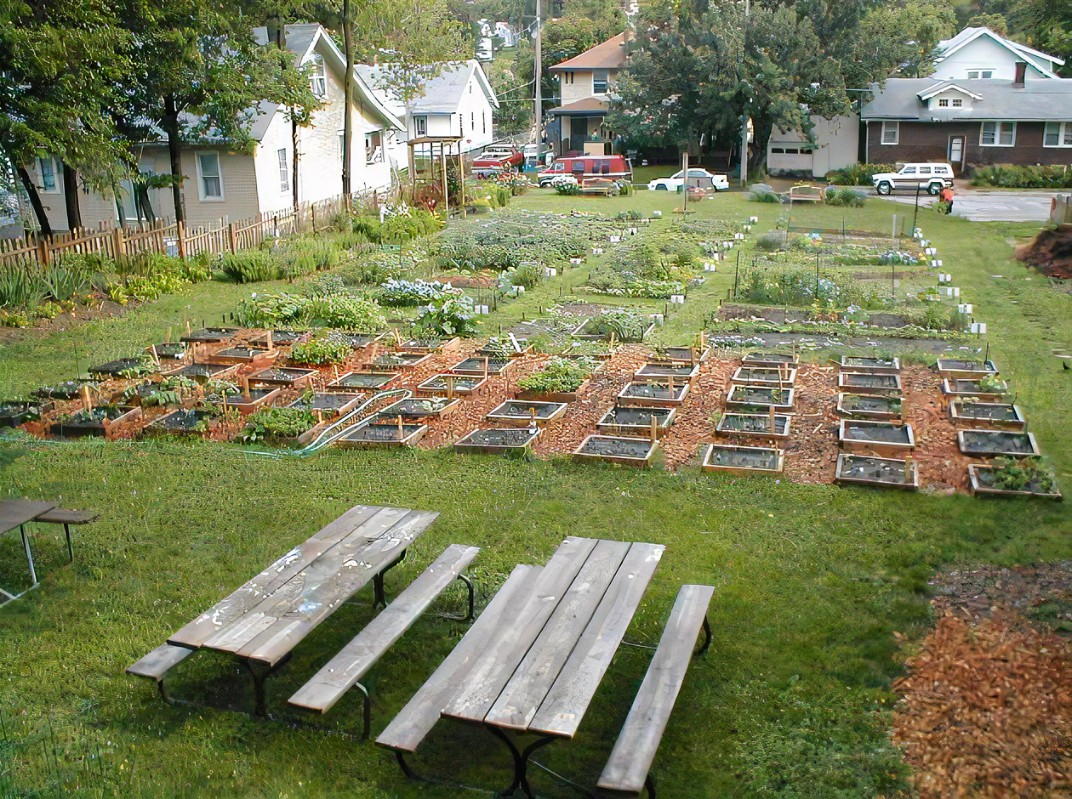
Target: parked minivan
(613, 167)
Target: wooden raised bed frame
(981, 490)
(781, 422)
(770, 359)
(714, 449)
(411, 434)
(627, 399)
(909, 483)
(612, 427)
(470, 443)
(593, 441)
(786, 403)
(385, 379)
(953, 387)
(857, 383)
(300, 376)
(258, 398)
(437, 413)
(242, 354)
(963, 437)
(873, 366)
(554, 409)
(876, 414)
(476, 383)
(495, 367)
(62, 430)
(964, 368)
(768, 376)
(1017, 424)
(867, 445)
(654, 370)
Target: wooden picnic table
(532, 663)
(17, 513)
(262, 621)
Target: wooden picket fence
(175, 238)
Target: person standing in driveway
(946, 196)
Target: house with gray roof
(970, 122)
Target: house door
(956, 152)
(578, 133)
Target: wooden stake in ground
(486, 368)
(515, 342)
(245, 389)
(398, 338)
(401, 432)
(450, 387)
(335, 368)
(155, 357)
(773, 430)
(268, 338)
(188, 328)
(87, 401)
(167, 338)
(654, 428)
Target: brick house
(585, 85)
(224, 185)
(971, 121)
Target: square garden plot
(451, 385)
(990, 390)
(624, 421)
(481, 366)
(770, 359)
(959, 367)
(865, 383)
(656, 370)
(363, 381)
(989, 415)
(329, 404)
(181, 422)
(281, 337)
(992, 443)
(283, 376)
(742, 460)
(239, 354)
(95, 422)
(384, 434)
(17, 412)
(781, 399)
(652, 393)
(872, 471)
(171, 350)
(881, 437)
(753, 424)
(761, 376)
(684, 354)
(622, 450)
(422, 408)
(201, 372)
(139, 365)
(869, 406)
(400, 360)
(426, 344)
(209, 335)
(523, 413)
(247, 401)
(596, 329)
(984, 484)
(497, 441)
(68, 389)
(874, 366)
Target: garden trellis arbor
(428, 157)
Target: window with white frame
(209, 177)
(943, 102)
(891, 132)
(1057, 134)
(46, 168)
(374, 147)
(284, 172)
(318, 77)
(484, 120)
(958, 102)
(997, 134)
(342, 145)
(420, 126)
(600, 78)
(980, 73)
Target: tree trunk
(761, 131)
(35, 201)
(171, 127)
(348, 99)
(146, 204)
(70, 197)
(294, 161)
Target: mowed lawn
(821, 592)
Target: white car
(700, 178)
(929, 177)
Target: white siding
(836, 146)
(983, 53)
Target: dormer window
(974, 74)
(318, 78)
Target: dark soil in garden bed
(114, 368)
(365, 380)
(382, 432)
(209, 335)
(68, 389)
(284, 376)
(87, 423)
(476, 366)
(329, 402)
(656, 369)
(863, 404)
(636, 417)
(15, 413)
(183, 420)
(887, 471)
(616, 447)
(201, 371)
(879, 432)
(504, 438)
(758, 424)
(858, 380)
(991, 442)
(172, 350)
(522, 410)
(760, 459)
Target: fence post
(42, 252)
(120, 245)
(231, 236)
(312, 214)
(180, 239)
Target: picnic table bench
(17, 513)
(532, 661)
(263, 620)
(808, 194)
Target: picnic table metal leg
(521, 761)
(29, 553)
(70, 549)
(380, 598)
(649, 783)
(367, 710)
(472, 601)
(706, 643)
(261, 672)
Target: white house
(220, 184)
(458, 103)
(836, 143)
(979, 53)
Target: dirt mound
(1050, 252)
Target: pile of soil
(1050, 252)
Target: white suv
(931, 178)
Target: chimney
(1021, 73)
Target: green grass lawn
(815, 584)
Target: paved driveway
(982, 205)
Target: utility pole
(538, 53)
(744, 123)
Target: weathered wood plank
(634, 751)
(409, 727)
(566, 702)
(355, 659)
(156, 664)
(292, 612)
(489, 675)
(538, 670)
(232, 607)
(16, 512)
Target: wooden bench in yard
(157, 663)
(628, 770)
(345, 670)
(807, 194)
(67, 518)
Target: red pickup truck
(498, 158)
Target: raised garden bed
(624, 421)
(184, 421)
(551, 396)
(247, 402)
(368, 381)
(617, 449)
(650, 393)
(869, 406)
(506, 352)
(781, 399)
(991, 415)
(865, 383)
(656, 370)
(283, 376)
(684, 354)
(524, 413)
(68, 389)
(417, 408)
(400, 360)
(749, 424)
(240, 354)
(359, 340)
(210, 335)
(477, 366)
(874, 366)
(984, 483)
(426, 344)
(992, 443)
(872, 471)
(758, 376)
(136, 367)
(450, 384)
(742, 460)
(330, 404)
(201, 372)
(883, 437)
(283, 337)
(92, 423)
(959, 387)
(384, 434)
(957, 367)
(498, 441)
(17, 412)
(770, 359)
(169, 350)
(590, 330)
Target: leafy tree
(897, 38)
(1047, 26)
(513, 87)
(996, 23)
